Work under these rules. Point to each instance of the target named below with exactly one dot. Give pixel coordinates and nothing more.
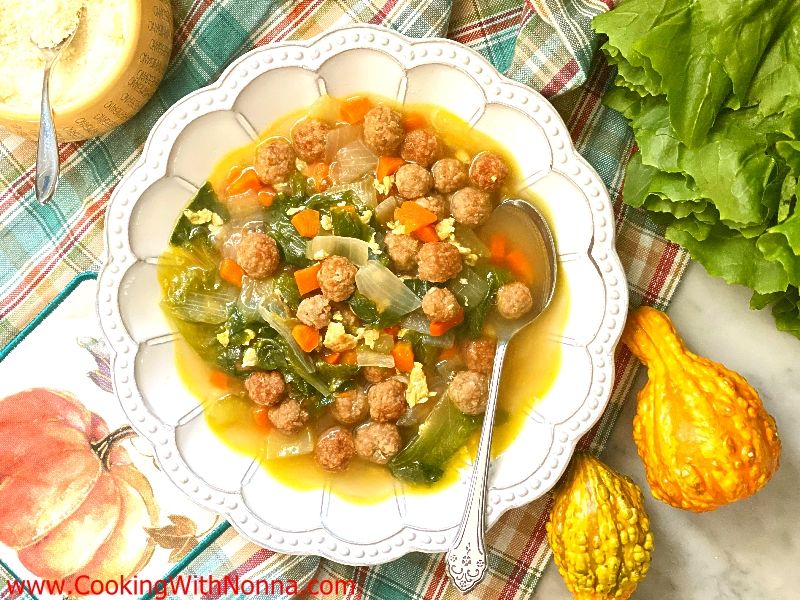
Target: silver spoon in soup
(518, 305)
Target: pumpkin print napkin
(58, 371)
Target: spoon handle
(466, 559)
(47, 154)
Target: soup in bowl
(335, 283)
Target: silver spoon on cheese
(52, 40)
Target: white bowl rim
(319, 541)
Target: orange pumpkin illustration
(71, 502)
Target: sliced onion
(255, 292)
(417, 321)
(275, 316)
(205, 307)
(468, 238)
(353, 249)
(368, 358)
(386, 289)
(415, 415)
(384, 212)
(280, 445)
(339, 138)
(384, 344)
(244, 208)
(353, 162)
(440, 341)
(366, 195)
(473, 291)
(447, 368)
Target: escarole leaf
(443, 433)
(736, 259)
(711, 89)
(187, 234)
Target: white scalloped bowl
(179, 154)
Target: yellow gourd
(700, 429)
(599, 531)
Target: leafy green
(291, 243)
(338, 377)
(423, 353)
(711, 89)
(475, 316)
(420, 287)
(187, 235)
(366, 310)
(346, 223)
(444, 432)
(286, 288)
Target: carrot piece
(426, 234)
(403, 355)
(247, 181)
(414, 120)
(306, 279)
(388, 165)
(307, 222)
(261, 417)
(318, 172)
(231, 272)
(392, 329)
(349, 358)
(448, 353)
(519, 265)
(353, 109)
(267, 196)
(233, 175)
(332, 358)
(497, 249)
(306, 337)
(412, 216)
(218, 379)
(438, 328)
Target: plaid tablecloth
(547, 44)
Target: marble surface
(749, 550)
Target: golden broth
(531, 366)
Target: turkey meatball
(421, 147)
(413, 181)
(257, 254)
(337, 278)
(387, 400)
(449, 175)
(402, 249)
(514, 300)
(350, 407)
(488, 171)
(265, 387)
(310, 137)
(439, 304)
(378, 442)
(479, 354)
(288, 417)
(383, 130)
(470, 206)
(469, 392)
(438, 261)
(436, 203)
(315, 311)
(376, 374)
(275, 161)
(334, 449)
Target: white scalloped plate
(180, 152)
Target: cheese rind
(85, 66)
